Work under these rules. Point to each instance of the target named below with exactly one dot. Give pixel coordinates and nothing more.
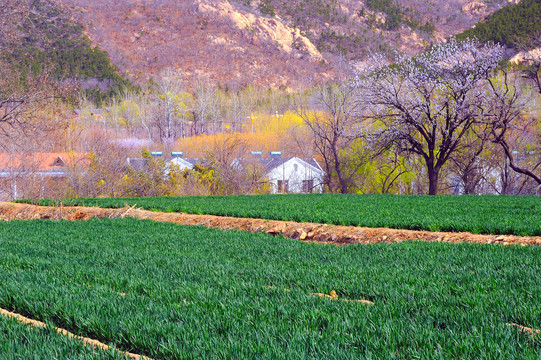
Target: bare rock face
(474, 8)
(526, 57)
(262, 30)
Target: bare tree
(22, 98)
(426, 105)
(146, 114)
(467, 164)
(130, 111)
(390, 167)
(238, 109)
(332, 114)
(224, 150)
(205, 106)
(531, 47)
(101, 171)
(507, 107)
(169, 88)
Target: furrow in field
(87, 341)
(340, 235)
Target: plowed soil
(339, 235)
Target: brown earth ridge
(311, 232)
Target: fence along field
(507, 215)
(173, 292)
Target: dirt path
(340, 235)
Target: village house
(140, 164)
(287, 174)
(187, 163)
(32, 174)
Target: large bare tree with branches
(508, 105)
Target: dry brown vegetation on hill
(267, 43)
(201, 38)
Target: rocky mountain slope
(267, 42)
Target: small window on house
(307, 186)
(295, 167)
(283, 186)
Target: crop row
(174, 292)
(518, 215)
(20, 341)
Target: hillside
(267, 42)
(212, 38)
(508, 25)
(49, 39)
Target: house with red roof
(32, 174)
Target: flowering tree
(426, 105)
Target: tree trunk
(433, 177)
(341, 180)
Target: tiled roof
(273, 162)
(137, 163)
(196, 161)
(42, 162)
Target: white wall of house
(295, 176)
(181, 163)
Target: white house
(183, 163)
(294, 175)
(287, 174)
(188, 163)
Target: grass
(20, 341)
(510, 215)
(174, 292)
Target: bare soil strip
(334, 296)
(533, 332)
(321, 233)
(87, 341)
